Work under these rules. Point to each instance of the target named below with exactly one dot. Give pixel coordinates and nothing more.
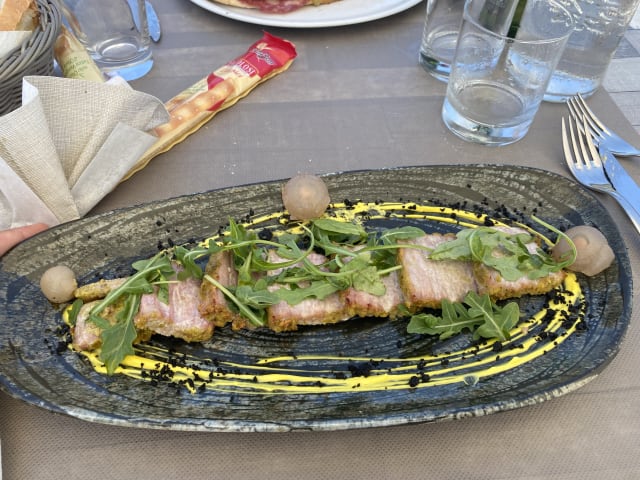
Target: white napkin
(70, 144)
(12, 39)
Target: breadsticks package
(193, 107)
(73, 59)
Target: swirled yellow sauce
(553, 324)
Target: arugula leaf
(255, 318)
(187, 259)
(483, 317)
(499, 322)
(363, 276)
(294, 296)
(73, 311)
(571, 256)
(458, 249)
(101, 323)
(333, 235)
(384, 248)
(504, 252)
(117, 339)
(257, 296)
(343, 230)
(392, 235)
(454, 320)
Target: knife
(154, 22)
(152, 18)
(621, 180)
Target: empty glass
(114, 32)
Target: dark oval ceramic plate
(35, 369)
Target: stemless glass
(600, 26)
(503, 63)
(115, 33)
(440, 36)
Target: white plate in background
(344, 12)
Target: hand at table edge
(13, 236)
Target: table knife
(152, 18)
(621, 180)
(154, 22)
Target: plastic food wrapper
(221, 89)
(74, 140)
(74, 60)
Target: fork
(583, 160)
(601, 134)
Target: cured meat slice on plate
(311, 311)
(364, 304)
(427, 282)
(212, 302)
(97, 290)
(179, 317)
(195, 307)
(491, 283)
(274, 6)
(87, 335)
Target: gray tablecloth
(355, 98)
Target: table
(354, 99)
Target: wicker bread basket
(33, 57)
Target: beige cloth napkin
(70, 144)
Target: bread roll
(18, 15)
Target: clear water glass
(503, 63)
(600, 26)
(440, 36)
(115, 33)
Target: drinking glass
(114, 32)
(503, 63)
(440, 36)
(599, 28)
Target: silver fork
(583, 160)
(602, 135)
